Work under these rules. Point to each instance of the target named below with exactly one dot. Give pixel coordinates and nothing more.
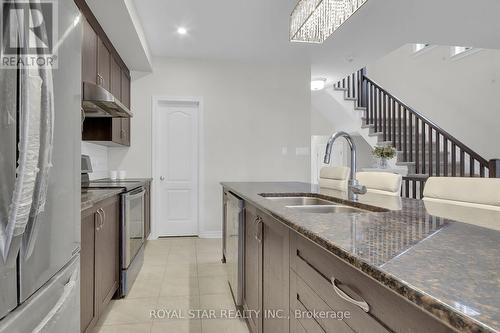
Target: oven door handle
(135, 193)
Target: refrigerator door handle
(35, 151)
(45, 157)
(28, 162)
(56, 309)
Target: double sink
(313, 205)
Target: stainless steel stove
(131, 222)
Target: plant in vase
(384, 154)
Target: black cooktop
(127, 184)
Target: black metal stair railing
(424, 146)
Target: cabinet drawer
(296, 327)
(309, 325)
(387, 310)
(317, 284)
(304, 299)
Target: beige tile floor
(179, 274)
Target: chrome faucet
(353, 186)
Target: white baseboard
(210, 234)
(203, 234)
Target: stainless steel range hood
(98, 102)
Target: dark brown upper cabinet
(116, 79)
(102, 65)
(125, 122)
(125, 89)
(125, 132)
(89, 53)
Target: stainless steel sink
(315, 205)
(327, 209)
(300, 201)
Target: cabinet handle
(104, 217)
(98, 227)
(258, 234)
(362, 304)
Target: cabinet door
(107, 253)
(89, 53)
(125, 123)
(275, 275)
(88, 314)
(252, 300)
(103, 65)
(125, 132)
(116, 130)
(116, 79)
(125, 89)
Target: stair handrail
(430, 123)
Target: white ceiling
(257, 30)
(382, 26)
(119, 20)
(220, 29)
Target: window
(456, 50)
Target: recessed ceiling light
(318, 84)
(182, 31)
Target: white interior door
(177, 168)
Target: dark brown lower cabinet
(88, 314)
(267, 270)
(100, 261)
(322, 281)
(275, 274)
(321, 293)
(252, 293)
(107, 259)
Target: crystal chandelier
(313, 21)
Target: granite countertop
(93, 196)
(443, 258)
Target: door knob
(162, 178)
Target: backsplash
(99, 157)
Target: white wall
(460, 95)
(330, 113)
(251, 111)
(99, 158)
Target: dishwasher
(233, 244)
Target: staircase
(422, 146)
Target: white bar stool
(334, 178)
(381, 182)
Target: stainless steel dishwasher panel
(132, 225)
(132, 241)
(234, 240)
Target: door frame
(156, 100)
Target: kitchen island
(403, 263)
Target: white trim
(201, 160)
(211, 234)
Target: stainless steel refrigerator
(40, 113)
